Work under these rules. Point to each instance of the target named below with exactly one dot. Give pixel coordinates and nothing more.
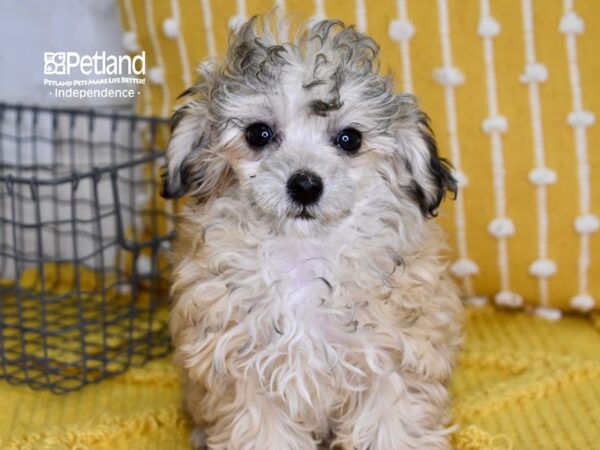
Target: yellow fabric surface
(150, 24)
(521, 383)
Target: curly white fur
(338, 330)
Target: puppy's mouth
(304, 215)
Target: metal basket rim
(82, 111)
(75, 177)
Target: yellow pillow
(511, 89)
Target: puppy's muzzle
(305, 187)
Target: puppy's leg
(397, 411)
(253, 421)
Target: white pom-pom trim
(143, 265)
(587, 224)
(508, 299)
(488, 27)
(235, 22)
(534, 73)
(581, 119)
(401, 30)
(542, 176)
(448, 76)
(550, 314)
(461, 179)
(142, 197)
(494, 124)
(571, 23)
(583, 302)
(477, 301)
(501, 227)
(170, 27)
(542, 268)
(463, 268)
(130, 42)
(124, 289)
(155, 75)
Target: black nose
(305, 187)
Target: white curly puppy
(311, 305)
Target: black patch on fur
(188, 175)
(417, 194)
(187, 93)
(408, 165)
(171, 187)
(177, 184)
(321, 108)
(178, 114)
(440, 170)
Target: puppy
(312, 308)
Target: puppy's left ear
(431, 174)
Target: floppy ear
(190, 134)
(431, 175)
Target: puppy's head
(306, 133)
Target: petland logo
(62, 63)
(104, 74)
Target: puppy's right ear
(190, 133)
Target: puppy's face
(306, 133)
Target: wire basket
(82, 238)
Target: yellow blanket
(522, 383)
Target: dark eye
(259, 135)
(349, 140)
